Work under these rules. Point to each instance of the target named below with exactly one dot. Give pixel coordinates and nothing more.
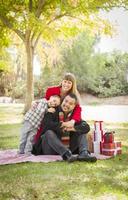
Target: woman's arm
(76, 115)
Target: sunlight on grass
(11, 113)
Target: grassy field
(104, 180)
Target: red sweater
(56, 91)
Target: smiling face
(68, 104)
(54, 101)
(66, 86)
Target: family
(48, 119)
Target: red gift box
(111, 149)
(108, 137)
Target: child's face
(54, 101)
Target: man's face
(68, 104)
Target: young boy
(32, 122)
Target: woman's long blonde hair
(71, 77)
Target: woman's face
(66, 85)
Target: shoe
(69, 157)
(20, 152)
(28, 153)
(72, 158)
(85, 156)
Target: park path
(11, 113)
(107, 113)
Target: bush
(19, 90)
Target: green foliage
(109, 78)
(32, 19)
(49, 77)
(6, 72)
(19, 89)
(76, 58)
(99, 74)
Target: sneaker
(27, 153)
(85, 156)
(72, 158)
(69, 157)
(20, 152)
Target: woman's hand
(68, 126)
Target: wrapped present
(90, 143)
(98, 125)
(98, 135)
(98, 131)
(96, 147)
(109, 137)
(111, 149)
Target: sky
(119, 18)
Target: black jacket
(51, 122)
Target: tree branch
(39, 8)
(30, 5)
(7, 23)
(37, 39)
(55, 18)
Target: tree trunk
(29, 82)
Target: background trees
(35, 19)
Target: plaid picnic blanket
(11, 156)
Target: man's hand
(69, 129)
(51, 110)
(69, 124)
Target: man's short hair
(73, 96)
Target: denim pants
(52, 145)
(78, 142)
(26, 138)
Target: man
(53, 128)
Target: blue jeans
(52, 145)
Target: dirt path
(88, 99)
(106, 113)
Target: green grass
(106, 179)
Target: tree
(29, 19)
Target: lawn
(106, 179)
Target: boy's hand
(51, 110)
